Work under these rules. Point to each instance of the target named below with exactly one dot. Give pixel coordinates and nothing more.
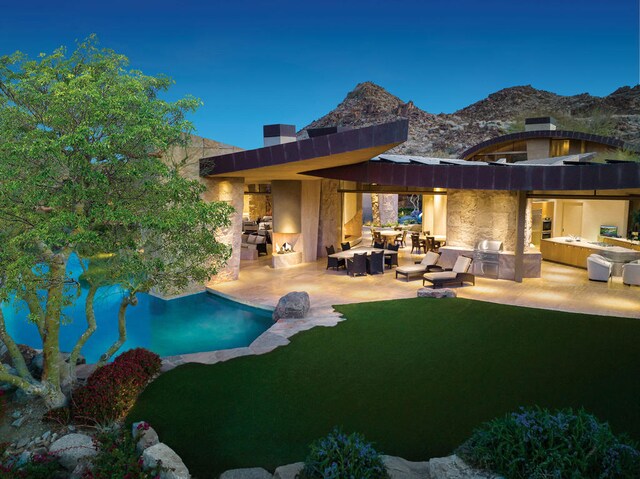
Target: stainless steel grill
(486, 258)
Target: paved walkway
(560, 287)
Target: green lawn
(415, 376)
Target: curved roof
(558, 134)
(572, 173)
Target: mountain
(617, 114)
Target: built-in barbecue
(486, 258)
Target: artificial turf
(415, 376)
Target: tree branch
(17, 357)
(122, 328)
(91, 328)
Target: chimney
(543, 123)
(278, 134)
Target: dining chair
(391, 260)
(334, 262)
(357, 265)
(345, 246)
(375, 263)
(415, 243)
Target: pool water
(191, 324)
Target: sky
(278, 61)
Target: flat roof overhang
(482, 176)
(290, 161)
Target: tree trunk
(53, 394)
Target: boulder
(437, 293)
(172, 465)
(290, 471)
(72, 449)
(146, 436)
(452, 467)
(248, 473)
(292, 305)
(399, 468)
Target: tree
(81, 140)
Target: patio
(561, 287)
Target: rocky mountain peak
(499, 113)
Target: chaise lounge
(458, 275)
(428, 264)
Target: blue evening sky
(280, 61)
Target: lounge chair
(427, 264)
(334, 262)
(599, 268)
(375, 263)
(458, 275)
(631, 273)
(357, 265)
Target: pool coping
(277, 335)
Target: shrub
(117, 457)
(338, 456)
(111, 390)
(59, 415)
(41, 466)
(535, 443)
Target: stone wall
(474, 215)
(259, 206)
(330, 213)
(230, 190)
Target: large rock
(145, 435)
(290, 471)
(72, 449)
(172, 465)
(292, 305)
(437, 293)
(249, 473)
(399, 468)
(452, 467)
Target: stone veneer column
(388, 205)
(330, 216)
(474, 215)
(257, 206)
(230, 190)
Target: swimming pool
(191, 324)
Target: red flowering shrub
(111, 390)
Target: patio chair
(334, 262)
(458, 275)
(391, 260)
(401, 239)
(345, 246)
(378, 245)
(416, 243)
(375, 263)
(432, 244)
(631, 273)
(428, 264)
(377, 238)
(598, 268)
(357, 265)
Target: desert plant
(117, 457)
(341, 456)
(40, 466)
(535, 443)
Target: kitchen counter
(575, 253)
(625, 243)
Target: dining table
(389, 236)
(361, 250)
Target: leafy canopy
(81, 172)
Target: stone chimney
(544, 123)
(278, 134)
